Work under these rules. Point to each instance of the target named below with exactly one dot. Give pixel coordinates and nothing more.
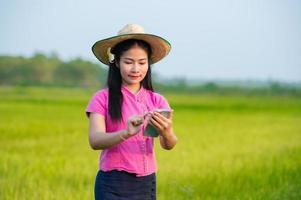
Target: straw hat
(160, 46)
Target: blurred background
(233, 78)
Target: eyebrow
(142, 59)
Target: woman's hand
(134, 125)
(161, 123)
(164, 125)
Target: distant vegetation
(235, 88)
(42, 70)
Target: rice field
(230, 147)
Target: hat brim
(160, 46)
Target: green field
(230, 147)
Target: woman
(119, 114)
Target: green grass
(230, 147)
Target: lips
(134, 77)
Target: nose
(135, 68)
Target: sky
(211, 40)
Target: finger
(137, 120)
(155, 124)
(158, 117)
(161, 117)
(134, 123)
(164, 124)
(157, 114)
(146, 116)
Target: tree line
(43, 70)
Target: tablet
(150, 129)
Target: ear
(117, 64)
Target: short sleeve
(161, 102)
(98, 103)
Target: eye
(142, 63)
(127, 62)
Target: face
(133, 66)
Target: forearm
(168, 141)
(102, 140)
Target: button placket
(144, 110)
(144, 156)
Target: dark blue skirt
(122, 185)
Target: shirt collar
(127, 91)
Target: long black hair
(114, 80)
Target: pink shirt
(136, 154)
